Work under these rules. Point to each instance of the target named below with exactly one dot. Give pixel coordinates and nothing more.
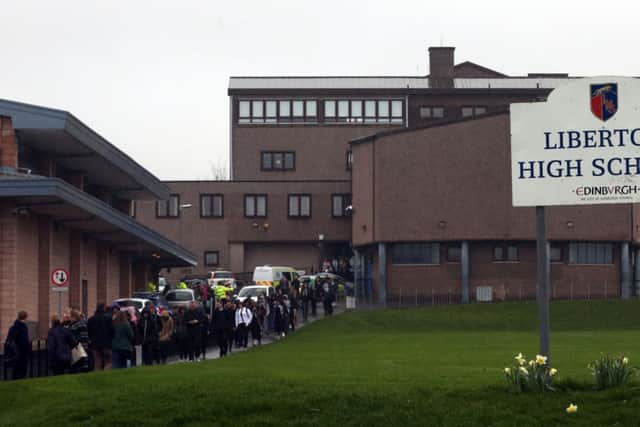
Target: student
(100, 329)
(182, 338)
(243, 320)
(60, 341)
(122, 338)
(218, 327)
(148, 335)
(18, 347)
(79, 330)
(164, 338)
(194, 321)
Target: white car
(254, 292)
(137, 303)
(225, 278)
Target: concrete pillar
(382, 273)
(625, 266)
(464, 261)
(124, 289)
(76, 264)
(44, 274)
(103, 272)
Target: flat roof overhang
(76, 147)
(79, 211)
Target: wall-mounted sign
(581, 146)
(59, 277)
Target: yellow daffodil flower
(572, 409)
(507, 370)
(552, 372)
(532, 363)
(524, 370)
(541, 360)
(520, 359)
(625, 360)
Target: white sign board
(580, 147)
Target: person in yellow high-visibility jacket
(182, 285)
(221, 291)
(151, 287)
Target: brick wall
(27, 295)
(8, 267)
(8, 144)
(59, 259)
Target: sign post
(580, 147)
(60, 281)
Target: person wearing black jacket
(194, 318)
(148, 334)
(18, 347)
(218, 327)
(229, 324)
(60, 341)
(100, 335)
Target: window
(555, 253)
(473, 111)
(211, 258)
(506, 253)
(299, 205)
(454, 253)
(255, 205)
(431, 112)
(363, 111)
(168, 208)
(211, 206)
(416, 253)
(339, 204)
(277, 111)
(132, 209)
(278, 160)
(590, 253)
(349, 160)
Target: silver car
(179, 298)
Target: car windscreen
(179, 296)
(128, 303)
(252, 292)
(222, 275)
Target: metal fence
(38, 364)
(420, 295)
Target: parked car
(179, 298)
(137, 303)
(254, 292)
(221, 277)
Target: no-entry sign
(59, 277)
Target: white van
(270, 276)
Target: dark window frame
(168, 207)
(575, 249)
(349, 160)
(212, 196)
(207, 264)
(559, 260)
(345, 196)
(363, 119)
(255, 205)
(474, 112)
(431, 110)
(431, 251)
(274, 169)
(504, 247)
(278, 118)
(453, 260)
(299, 196)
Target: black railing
(37, 365)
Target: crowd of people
(110, 338)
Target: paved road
(213, 352)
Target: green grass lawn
(427, 367)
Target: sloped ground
(440, 366)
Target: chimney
(441, 67)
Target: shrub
(532, 376)
(611, 371)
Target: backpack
(11, 351)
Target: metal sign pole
(543, 275)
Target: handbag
(77, 353)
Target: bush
(611, 371)
(533, 376)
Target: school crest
(604, 100)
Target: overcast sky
(151, 75)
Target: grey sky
(151, 76)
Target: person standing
(218, 326)
(100, 328)
(60, 341)
(122, 338)
(148, 334)
(229, 325)
(79, 330)
(164, 338)
(304, 298)
(182, 338)
(18, 346)
(194, 320)
(255, 325)
(284, 285)
(243, 320)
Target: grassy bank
(439, 366)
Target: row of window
(306, 110)
(438, 112)
(255, 206)
(286, 160)
(429, 253)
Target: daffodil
(541, 360)
(532, 363)
(520, 359)
(625, 360)
(552, 372)
(507, 370)
(524, 370)
(572, 408)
